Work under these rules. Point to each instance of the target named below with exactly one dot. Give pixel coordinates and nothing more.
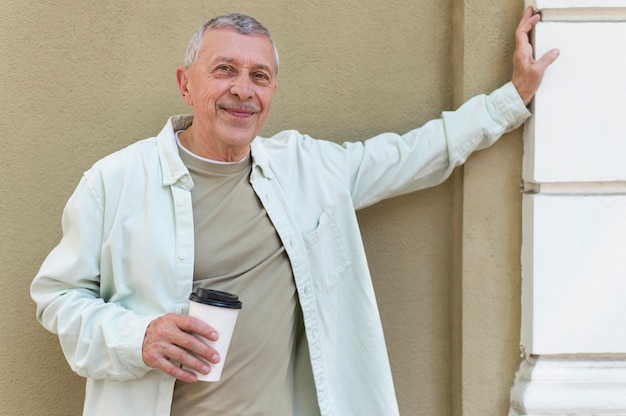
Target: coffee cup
(219, 310)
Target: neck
(203, 148)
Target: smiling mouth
(240, 110)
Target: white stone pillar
(574, 217)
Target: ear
(183, 84)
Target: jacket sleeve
(99, 339)
(390, 164)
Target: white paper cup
(219, 310)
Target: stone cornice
(580, 10)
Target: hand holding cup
(169, 342)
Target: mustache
(240, 107)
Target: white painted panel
(574, 274)
(578, 130)
(573, 4)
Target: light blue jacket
(126, 256)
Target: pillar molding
(587, 386)
(573, 334)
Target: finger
(191, 344)
(176, 329)
(156, 355)
(547, 59)
(196, 326)
(165, 356)
(190, 339)
(189, 360)
(523, 48)
(526, 24)
(171, 339)
(176, 371)
(529, 12)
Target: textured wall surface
(83, 79)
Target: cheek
(266, 100)
(211, 92)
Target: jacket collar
(175, 171)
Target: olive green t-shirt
(237, 250)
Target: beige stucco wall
(81, 79)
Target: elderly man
(207, 203)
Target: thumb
(547, 59)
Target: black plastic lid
(216, 298)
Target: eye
(224, 69)
(261, 77)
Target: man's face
(230, 86)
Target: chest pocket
(327, 252)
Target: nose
(242, 86)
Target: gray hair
(240, 22)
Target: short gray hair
(240, 22)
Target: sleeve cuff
(507, 106)
(132, 354)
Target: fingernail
(215, 358)
(206, 369)
(214, 336)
